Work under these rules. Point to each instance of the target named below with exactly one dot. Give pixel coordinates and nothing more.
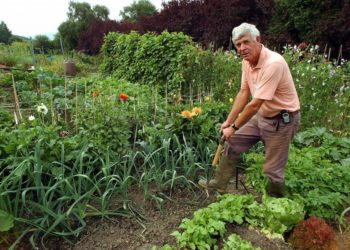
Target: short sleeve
(244, 80)
(269, 81)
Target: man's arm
(239, 104)
(249, 111)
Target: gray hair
(243, 29)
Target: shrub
(314, 234)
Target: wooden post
(85, 90)
(155, 104)
(61, 43)
(325, 52)
(76, 106)
(65, 99)
(51, 103)
(32, 50)
(166, 101)
(329, 54)
(339, 54)
(17, 107)
(191, 94)
(16, 119)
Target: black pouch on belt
(285, 116)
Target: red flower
(64, 133)
(123, 97)
(95, 93)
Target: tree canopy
(80, 15)
(136, 10)
(5, 33)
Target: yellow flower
(231, 100)
(196, 110)
(186, 114)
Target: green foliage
(209, 72)
(236, 242)
(171, 61)
(208, 222)
(80, 15)
(323, 89)
(17, 54)
(275, 216)
(138, 9)
(5, 33)
(324, 193)
(6, 221)
(42, 44)
(7, 119)
(301, 18)
(148, 59)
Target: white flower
(31, 118)
(42, 109)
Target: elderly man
(272, 115)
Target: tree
(5, 33)
(101, 12)
(80, 15)
(208, 22)
(91, 40)
(42, 43)
(138, 9)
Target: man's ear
(258, 39)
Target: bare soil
(159, 223)
(133, 234)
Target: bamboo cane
(65, 99)
(51, 102)
(17, 107)
(339, 54)
(76, 107)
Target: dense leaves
(136, 10)
(80, 15)
(313, 233)
(322, 22)
(325, 192)
(209, 21)
(149, 59)
(5, 33)
(90, 40)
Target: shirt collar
(261, 58)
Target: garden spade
(218, 153)
(216, 158)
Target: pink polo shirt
(271, 81)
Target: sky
(29, 18)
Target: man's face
(248, 48)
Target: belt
(279, 115)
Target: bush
(313, 234)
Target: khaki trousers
(276, 137)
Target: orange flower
(95, 93)
(196, 110)
(123, 97)
(186, 114)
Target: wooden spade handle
(217, 154)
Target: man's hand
(227, 133)
(224, 125)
